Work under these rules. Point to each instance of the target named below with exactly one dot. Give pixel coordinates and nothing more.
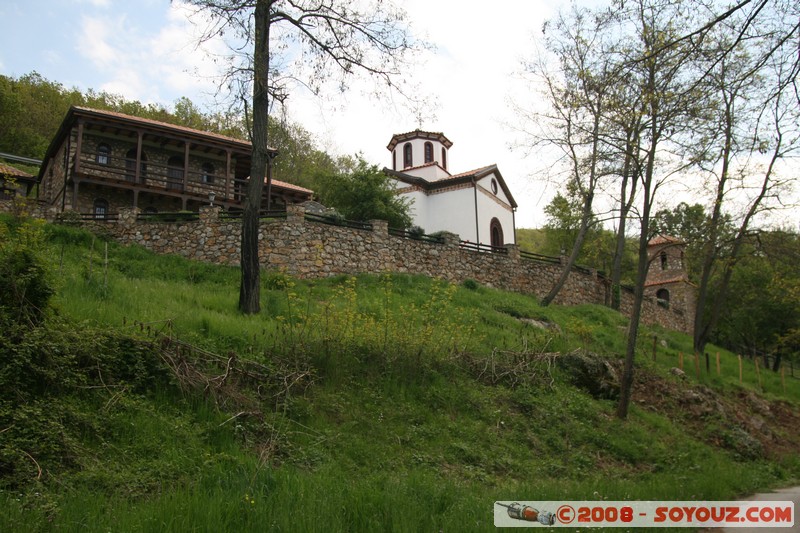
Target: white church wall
(417, 153)
(453, 211)
(489, 208)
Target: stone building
(476, 205)
(101, 161)
(667, 278)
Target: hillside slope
(143, 401)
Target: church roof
(419, 134)
(464, 177)
(659, 240)
(678, 279)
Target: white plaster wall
(429, 173)
(418, 153)
(488, 209)
(453, 211)
(418, 209)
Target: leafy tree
(669, 104)
(690, 223)
(364, 193)
(312, 41)
(766, 288)
(577, 93)
(597, 251)
(299, 160)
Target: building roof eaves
(75, 112)
(432, 135)
(668, 281)
(8, 170)
(664, 239)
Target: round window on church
(494, 186)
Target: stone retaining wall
(307, 249)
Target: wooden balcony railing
(157, 176)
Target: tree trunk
(625, 204)
(586, 214)
(573, 257)
(626, 383)
(250, 287)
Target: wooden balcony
(163, 180)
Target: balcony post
(78, 147)
(137, 176)
(185, 169)
(228, 174)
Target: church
(476, 205)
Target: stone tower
(668, 280)
(419, 148)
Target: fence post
(758, 373)
(128, 215)
(512, 251)
(380, 228)
(718, 373)
(295, 214)
(655, 342)
(740, 368)
(209, 213)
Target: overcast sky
(144, 50)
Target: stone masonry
(307, 249)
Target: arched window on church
(407, 159)
(444, 158)
(496, 233)
(662, 297)
(663, 260)
(429, 152)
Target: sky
(145, 50)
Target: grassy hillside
(143, 401)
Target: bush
(415, 232)
(26, 283)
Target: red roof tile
(291, 186)
(159, 124)
(666, 281)
(664, 239)
(8, 170)
(432, 135)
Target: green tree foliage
(299, 160)
(561, 230)
(363, 193)
(32, 107)
(764, 314)
(690, 224)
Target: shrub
(415, 232)
(26, 283)
(470, 284)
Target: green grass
(398, 428)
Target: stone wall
(309, 249)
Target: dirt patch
(744, 422)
